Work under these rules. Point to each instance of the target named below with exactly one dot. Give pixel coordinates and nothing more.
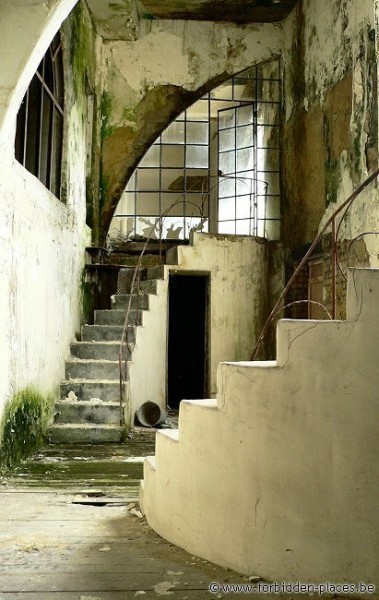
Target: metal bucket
(150, 414)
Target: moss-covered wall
(23, 426)
(330, 138)
(79, 40)
(330, 129)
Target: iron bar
(309, 252)
(334, 265)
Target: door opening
(187, 338)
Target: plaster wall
(147, 379)
(240, 269)
(239, 300)
(42, 239)
(297, 438)
(330, 142)
(148, 82)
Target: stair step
(98, 350)
(172, 256)
(128, 260)
(88, 390)
(105, 333)
(117, 317)
(91, 412)
(121, 301)
(151, 462)
(172, 434)
(149, 286)
(92, 369)
(93, 434)
(155, 272)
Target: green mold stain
(23, 426)
(105, 110)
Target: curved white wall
(41, 239)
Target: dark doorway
(187, 338)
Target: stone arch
(150, 81)
(126, 146)
(32, 27)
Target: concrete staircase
(89, 407)
(276, 477)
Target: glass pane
(172, 156)
(226, 118)
(226, 162)
(147, 179)
(226, 209)
(268, 160)
(126, 204)
(244, 183)
(195, 224)
(122, 227)
(196, 205)
(244, 90)
(262, 184)
(268, 114)
(223, 92)
(267, 136)
(272, 179)
(245, 136)
(245, 159)
(131, 185)
(245, 115)
(173, 228)
(174, 133)
(227, 139)
(56, 154)
(45, 139)
(199, 111)
(244, 227)
(172, 204)
(148, 227)
(148, 204)
(197, 156)
(172, 180)
(151, 158)
(227, 227)
(273, 207)
(226, 187)
(197, 133)
(197, 180)
(271, 90)
(33, 121)
(273, 230)
(244, 207)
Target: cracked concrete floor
(71, 529)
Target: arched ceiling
(237, 11)
(120, 19)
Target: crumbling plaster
(330, 141)
(149, 81)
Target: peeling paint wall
(42, 239)
(330, 136)
(330, 141)
(149, 81)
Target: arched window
(38, 145)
